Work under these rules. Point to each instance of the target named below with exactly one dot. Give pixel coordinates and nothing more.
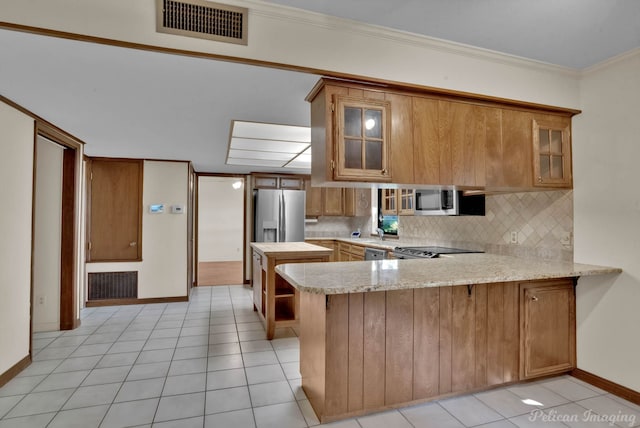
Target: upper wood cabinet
(275, 181)
(336, 201)
(362, 139)
(551, 152)
(114, 211)
(436, 138)
(397, 201)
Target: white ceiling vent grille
(203, 19)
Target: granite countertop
(288, 248)
(460, 269)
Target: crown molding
(308, 18)
(610, 62)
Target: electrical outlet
(41, 300)
(514, 237)
(565, 239)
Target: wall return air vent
(203, 19)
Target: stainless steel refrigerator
(278, 215)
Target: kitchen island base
(366, 352)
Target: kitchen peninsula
(382, 334)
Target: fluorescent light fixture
(269, 144)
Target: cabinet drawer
(265, 182)
(357, 250)
(344, 248)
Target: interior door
(115, 210)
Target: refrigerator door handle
(283, 218)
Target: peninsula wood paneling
(384, 349)
(356, 351)
(463, 339)
(313, 349)
(426, 338)
(374, 349)
(399, 345)
(445, 330)
(337, 369)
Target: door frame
(70, 222)
(245, 180)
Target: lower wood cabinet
(547, 328)
(350, 252)
(326, 243)
(363, 352)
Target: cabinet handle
(534, 299)
(133, 243)
(539, 179)
(384, 171)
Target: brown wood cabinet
(547, 328)
(363, 352)
(397, 201)
(114, 212)
(326, 243)
(350, 252)
(336, 201)
(440, 139)
(275, 181)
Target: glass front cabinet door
(362, 139)
(551, 154)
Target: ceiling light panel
(269, 145)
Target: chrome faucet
(380, 233)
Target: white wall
(163, 270)
(284, 35)
(606, 154)
(47, 236)
(220, 219)
(16, 174)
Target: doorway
(220, 230)
(54, 294)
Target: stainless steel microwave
(448, 202)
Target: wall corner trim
(14, 370)
(607, 385)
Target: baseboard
(115, 302)
(14, 370)
(46, 326)
(611, 387)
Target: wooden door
(115, 210)
(547, 322)
(333, 201)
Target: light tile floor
(206, 363)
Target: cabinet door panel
(548, 328)
(333, 201)
(426, 148)
(313, 202)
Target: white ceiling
(133, 103)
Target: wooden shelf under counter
(275, 300)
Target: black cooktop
(438, 250)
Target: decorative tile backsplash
(542, 222)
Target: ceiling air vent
(203, 19)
